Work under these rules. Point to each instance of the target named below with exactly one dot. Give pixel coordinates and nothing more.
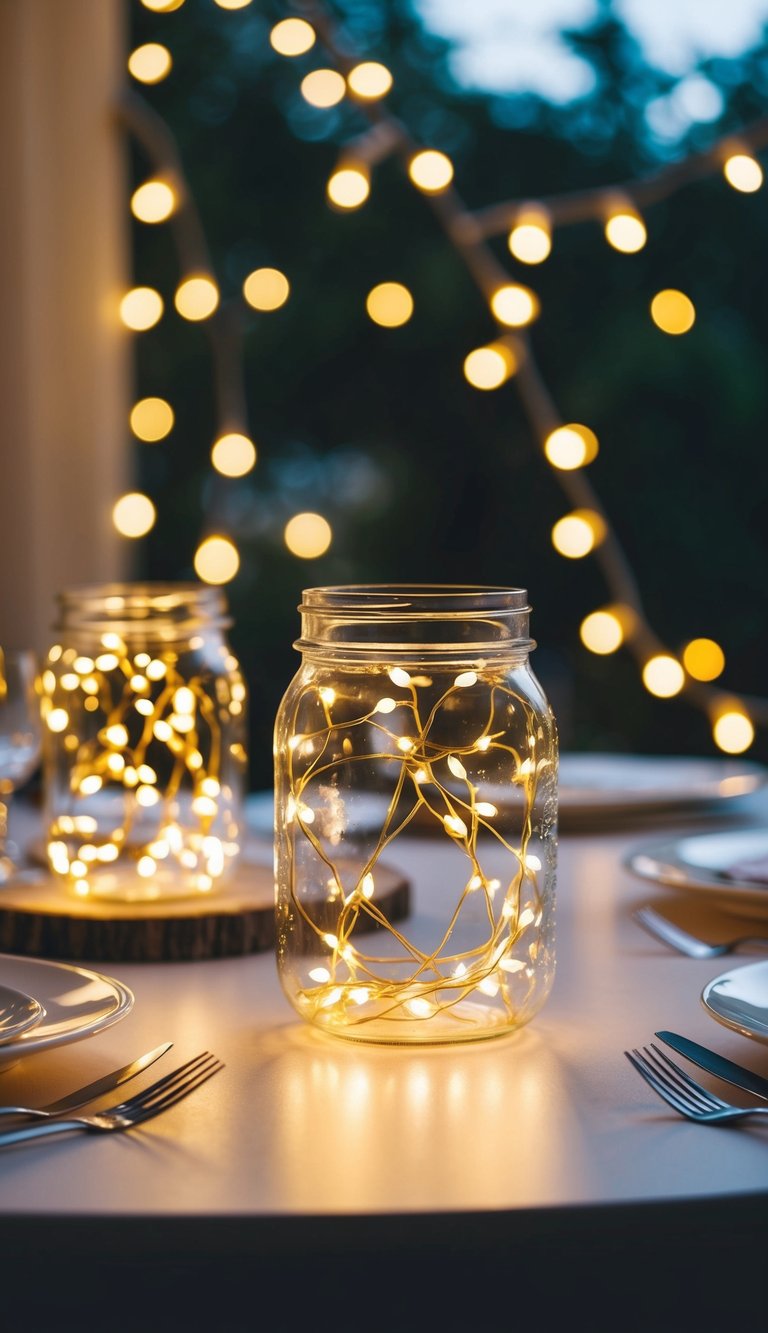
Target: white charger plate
(18, 1013)
(77, 1002)
(696, 862)
(621, 784)
(739, 1000)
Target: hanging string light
(430, 170)
(292, 37)
(150, 63)
(134, 514)
(369, 80)
(266, 289)
(151, 419)
(153, 202)
(673, 311)
(389, 304)
(141, 308)
(743, 172)
(196, 297)
(568, 447)
(625, 231)
(308, 535)
(530, 239)
(349, 186)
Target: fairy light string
(352, 986)
(568, 447)
(136, 724)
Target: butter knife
(91, 1090)
(717, 1064)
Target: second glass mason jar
(415, 712)
(144, 754)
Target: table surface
(551, 1122)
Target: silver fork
(166, 1092)
(684, 1094)
(690, 945)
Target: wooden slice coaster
(38, 918)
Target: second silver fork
(683, 1093)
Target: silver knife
(103, 1084)
(717, 1064)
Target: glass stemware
(20, 738)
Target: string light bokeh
(531, 229)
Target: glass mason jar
(144, 751)
(415, 712)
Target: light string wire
(357, 987)
(468, 232)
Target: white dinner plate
(621, 784)
(18, 1013)
(77, 1002)
(595, 787)
(739, 999)
(704, 863)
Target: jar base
(461, 1023)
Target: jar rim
(459, 621)
(415, 598)
(128, 605)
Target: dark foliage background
(422, 477)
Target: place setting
(47, 1002)
(728, 870)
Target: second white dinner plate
(599, 788)
(739, 999)
(710, 864)
(76, 1001)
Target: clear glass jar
(415, 712)
(144, 742)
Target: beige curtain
(64, 359)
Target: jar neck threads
(407, 621)
(133, 609)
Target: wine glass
(20, 738)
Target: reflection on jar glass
(144, 720)
(415, 712)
